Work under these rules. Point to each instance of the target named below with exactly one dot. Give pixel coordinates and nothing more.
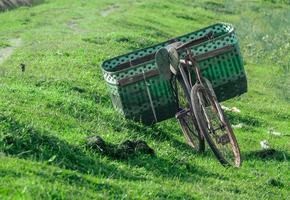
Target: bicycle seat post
(194, 65)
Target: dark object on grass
(275, 183)
(143, 147)
(96, 143)
(78, 89)
(266, 153)
(129, 148)
(123, 150)
(22, 67)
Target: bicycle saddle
(167, 60)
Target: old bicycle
(185, 77)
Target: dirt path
(7, 51)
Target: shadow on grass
(157, 165)
(249, 123)
(67, 178)
(29, 143)
(175, 168)
(267, 154)
(158, 134)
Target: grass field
(47, 112)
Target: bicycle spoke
(216, 128)
(187, 120)
(190, 128)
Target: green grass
(4, 44)
(47, 112)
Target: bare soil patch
(7, 51)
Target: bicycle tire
(188, 122)
(201, 97)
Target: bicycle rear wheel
(214, 126)
(187, 119)
(167, 64)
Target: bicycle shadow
(267, 154)
(249, 122)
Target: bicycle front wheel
(215, 127)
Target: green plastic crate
(139, 92)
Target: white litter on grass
(275, 133)
(264, 144)
(233, 109)
(265, 38)
(240, 125)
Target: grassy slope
(48, 111)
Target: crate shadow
(161, 134)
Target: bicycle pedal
(182, 113)
(223, 139)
